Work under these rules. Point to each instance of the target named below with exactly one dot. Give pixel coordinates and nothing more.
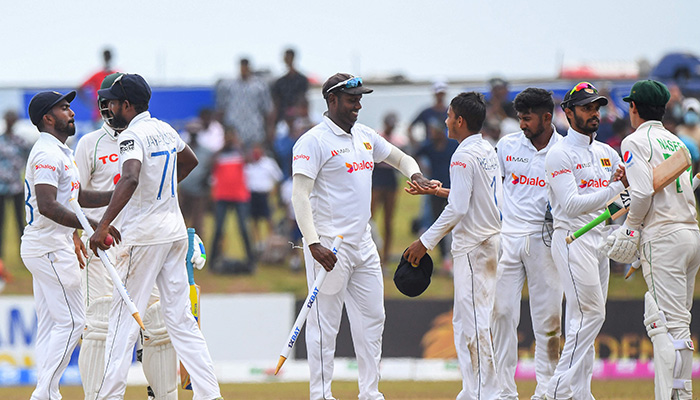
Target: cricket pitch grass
(394, 390)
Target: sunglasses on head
(347, 84)
(582, 86)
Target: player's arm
(51, 208)
(186, 162)
(94, 198)
(125, 188)
(640, 176)
(458, 204)
(407, 165)
(302, 186)
(561, 179)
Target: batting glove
(199, 256)
(625, 244)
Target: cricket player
(579, 172)
(97, 158)
(474, 216)
(51, 180)
(662, 228)
(525, 245)
(331, 194)
(152, 158)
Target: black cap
(43, 102)
(330, 85)
(130, 87)
(413, 280)
(583, 93)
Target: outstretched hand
(620, 174)
(416, 189)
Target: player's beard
(118, 122)
(67, 129)
(583, 126)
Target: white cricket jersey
(50, 162)
(97, 157)
(524, 184)
(341, 165)
(152, 215)
(672, 208)
(473, 205)
(578, 177)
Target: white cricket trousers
(584, 274)
(670, 264)
(356, 281)
(60, 313)
(526, 257)
(475, 287)
(164, 265)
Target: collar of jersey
(334, 128)
(139, 118)
(649, 123)
(579, 139)
(110, 131)
(470, 139)
(50, 137)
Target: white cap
(440, 87)
(691, 104)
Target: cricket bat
(194, 300)
(304, 312)
(664, 173)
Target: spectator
(262, 175)
(385, 184)
(229, 190)
(438, 152)
(13, 157)
(436, 112)
(88, 89)
(500, 108)
(246, 106)
(212, 134)
(194, 189)
(290, 89)
(608, 116)
(690, 122)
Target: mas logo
(517, 159)
(583, 165)
(339, 151)
(362, 165)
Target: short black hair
(534, 100)
(648, 112)
(139, 108)
(472, 107)
(289, 52)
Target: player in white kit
(97, 158)
(473, 215)
(662, 228)
(51, 180)
(331, 192)
(526, 246)
(579, 174)
(152, 159)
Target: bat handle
(570, 238)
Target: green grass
(403, 390)
(280, 278)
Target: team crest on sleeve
(605, 162)
(368, 146)
(126, 145)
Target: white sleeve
(129, 148)
(406, 164)
(458, 201)
(640, 176)
(302, 186)
(46, 169)
(563, 185)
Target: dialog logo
(525, 180)
(594, 183)
(301, 157)
(362, 165)
(561, 171)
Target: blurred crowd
(244, 146)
